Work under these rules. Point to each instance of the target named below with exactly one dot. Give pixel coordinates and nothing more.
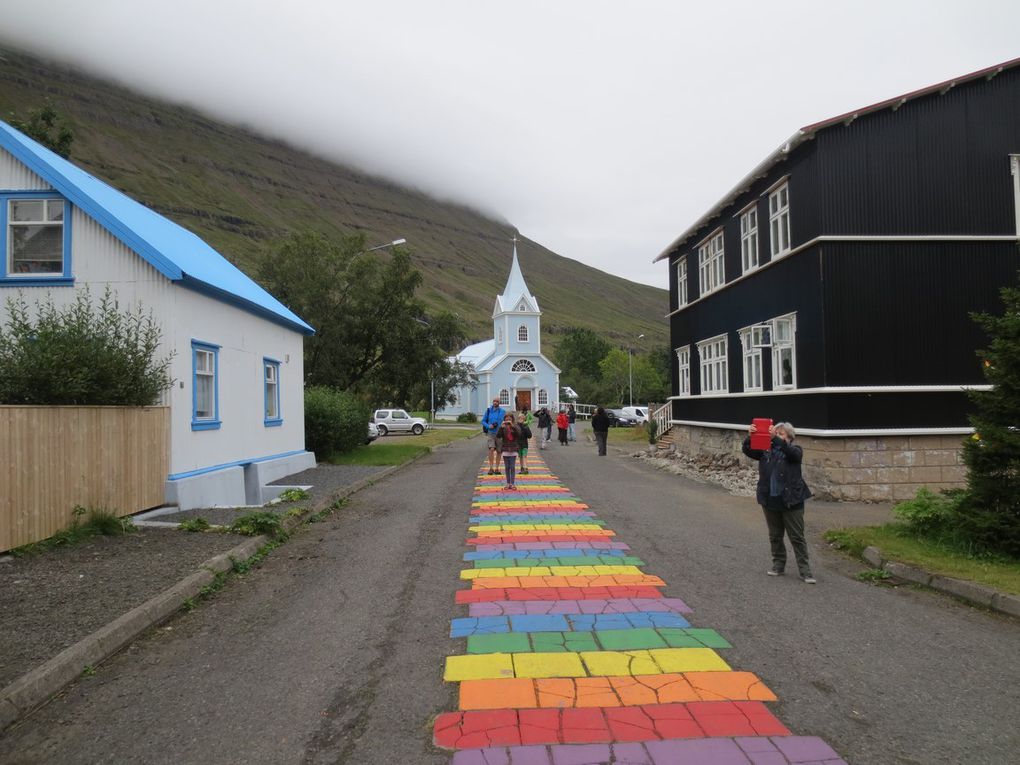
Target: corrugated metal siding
(937, 165)
(15, 176)
(899, 314)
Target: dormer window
(35, 238)
(522, 334)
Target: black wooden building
(832, 287)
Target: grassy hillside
(242, 193)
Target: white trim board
(837, 239)
(837, 389)
(849, 433)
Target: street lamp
(432, 380)
(394, 243)
(630, 370)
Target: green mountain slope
(243, 193)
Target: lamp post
(432, 377)
(394, 243)
(630, 370)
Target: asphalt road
(332, 651)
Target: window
(499, 335)
(504, 397)
(683, 358)
(714, 374)
(522, 334)
(522, 365)
(681, 282)
(543, 397)
(271, 382)
(36, 239)
(749, 240)
(205, 362)
(779, 221)
(784, 353)
(711, 268)
(751, 358)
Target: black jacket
(544, 420)
(784, 459)
(600, 423)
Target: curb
(970, 592)
(35, 687)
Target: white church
(510, 366)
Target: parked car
(618, 418)
(639, 413)
(373, 433)
(398, 421)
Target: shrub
(653, 431)
(194, 524)
(467, 417)
(335, 421)
(294, 495)
(81, 354)
(261, 522)
(929, 514)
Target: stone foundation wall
(870, 469)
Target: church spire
(516, 288)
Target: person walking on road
(522, 425)
(781, 494)
(571, 419)
(508, 439)
(544, 427)
(491, 422)
(562, 423)
(600, 427)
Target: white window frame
(749, 239)
(683, 363)
(205, 365)
(713, 364)
(751, 360)
(681, 282)
(543, 397)
(522, 333)
(504, 397)
(784, 343)
(523, 366)
(711, 263)
(271, 392)
(779, 221)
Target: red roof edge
(991, 70)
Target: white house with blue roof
(510, 366)
(237, 401)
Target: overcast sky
(600, 129)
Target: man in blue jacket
(491, 421)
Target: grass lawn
(636, 434)
(395, 450)
(900, 545)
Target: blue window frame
(205, 384)
(271, 392)
(35, 243)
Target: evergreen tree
(990, 510)
(48, 127)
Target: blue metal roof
(175, 252)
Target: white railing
(662, 417)
(584, 410)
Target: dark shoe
(809, 579)
(492, 472)
(774, 572)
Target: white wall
(99, 259)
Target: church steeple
(516, 296)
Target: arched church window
(504, 397)
(523, 365)
(522, 334)
(543, 397)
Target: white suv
(397, 420)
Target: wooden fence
(55, 457)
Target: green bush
(259, 522)
(653, 431)
(82, 354)
(194, 524)
(929, 514)
(467, 417)
(335, 421)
